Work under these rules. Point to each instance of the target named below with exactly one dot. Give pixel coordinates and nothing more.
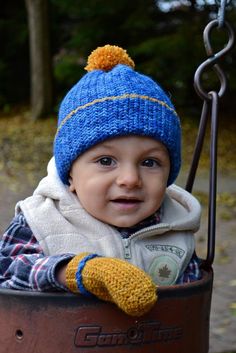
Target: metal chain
(219, 2)
(213, 59)
(210, 108)
(221, 12)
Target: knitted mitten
(114, 280)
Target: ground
(223, 310)
(26, 147)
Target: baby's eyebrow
(148, 151)
(101, 150)
(105, 146)
(155, 149)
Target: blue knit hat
(113, 100)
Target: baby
(107, 219)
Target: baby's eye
(150, 163)
(106, 161)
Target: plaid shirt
(24, 266)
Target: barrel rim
(180, 290)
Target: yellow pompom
(105, 58)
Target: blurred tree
(163, 37)
(40, 57)
(84, 26)
(14, 76)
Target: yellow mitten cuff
(71, 271)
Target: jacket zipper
(149, 229)
(127, 250)
(127, 241)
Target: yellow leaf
(232, 283)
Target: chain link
(213, 59)
(220, 1)
(221, 12)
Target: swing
(178, 323)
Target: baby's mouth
(129, 200)
(126, 203)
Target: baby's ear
(71, 186)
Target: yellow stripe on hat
(113, 98)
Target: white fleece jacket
(61, 225)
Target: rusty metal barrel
(66, 323)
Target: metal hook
(212, 60)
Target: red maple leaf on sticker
(164, 272)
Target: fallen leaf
(232, 283)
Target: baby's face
(121, 181)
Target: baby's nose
(129, 177)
